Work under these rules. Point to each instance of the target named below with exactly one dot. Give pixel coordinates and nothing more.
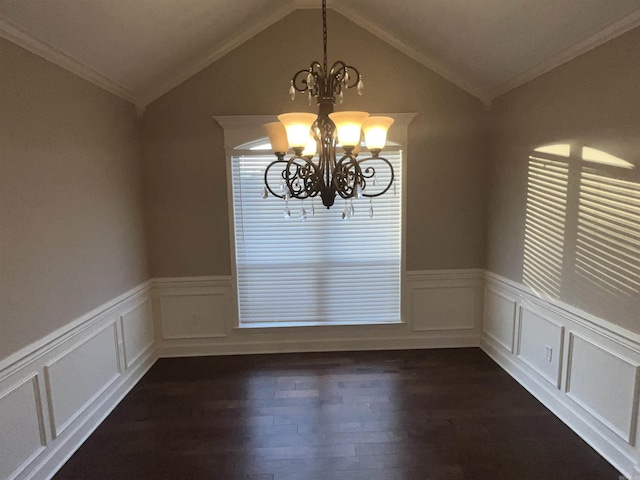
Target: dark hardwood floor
(396, 415)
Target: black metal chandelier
(302, 175)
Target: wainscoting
(197, 316)
(54, 393)
(582, 368)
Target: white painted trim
(155, 90)
(544, 392)
(32, 363)
(427, 61)
(126, 359)
(627, 437)
(592, 424)
(557, 379)
(19, 36)
(241, 129)
(306, 338)
(321, 345)
(514, 319)
(186, 71)
(619, 342)
(57, 430)
(33, 380)
(610, 32)
(57, 457)
(191, 282)
(453, 274)
(607, 329)
(40, 347)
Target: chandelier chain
(324, 32)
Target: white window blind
(324, 269)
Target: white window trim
(242, 129)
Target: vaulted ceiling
(140, 49)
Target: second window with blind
(302, 264)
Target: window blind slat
(322, 270)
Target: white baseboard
(590, 381)
(293, 346)
(56, 392)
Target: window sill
(252, 327)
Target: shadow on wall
(582, 223)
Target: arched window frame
(241, 132)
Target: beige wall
(592, 101)
(71, 235)
(186, 188)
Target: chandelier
(306, 175)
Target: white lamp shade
(310, 148)
(349, 125)
(298, 127)
(375, 131)
(277, 136)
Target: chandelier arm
(339, 70)
(266, 174)
(371, 171)
(302, 180)
(347, 176)
(300, 81)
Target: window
(320, 271)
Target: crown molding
(187, 71)
(610, 32)
(19, 36)
(413, 53)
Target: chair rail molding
(583, 368)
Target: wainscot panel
(540, 341)
(604, 384)
(137, 332)
(54, 393)
(583, 368)
(500, 318)
(198, 316)
(21, 424)
(79, 376)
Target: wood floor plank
(397, 415)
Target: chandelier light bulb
(375, 132)
(277, 136)
(349, 126)
(298, 127)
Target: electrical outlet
(548, 352)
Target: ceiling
(140, 49)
